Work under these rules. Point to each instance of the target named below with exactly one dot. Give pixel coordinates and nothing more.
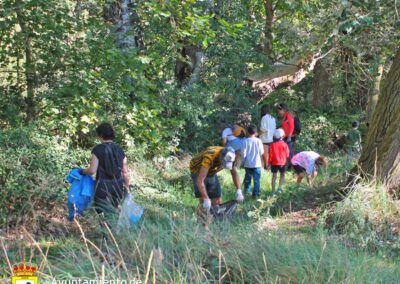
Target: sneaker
(274, 194)
(279, 190)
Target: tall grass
(176, 250)
(170, 247)
(368, 216)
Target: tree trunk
(119, 13)
(78, 10)
(269, 18)
(30, 81)
(321, 92)
(188, 69)
(374, 95)
(266, 81)
(381, 153)
(30, 70)
(197, 62)
(218, 8)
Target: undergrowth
(356, 239)
(367, 217)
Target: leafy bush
(33, 168)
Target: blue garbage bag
(80, 194)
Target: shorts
(268, 144)
(213, 187)
(299, 169)
(275, 169)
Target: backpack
(297, 125)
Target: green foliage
(183, 253)
(33, 168)
(182, 250)
(368, 216)
(61, 74)
(263, 205)
(77, 76)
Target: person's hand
(239, 196)
(207, 203)
(289, 139)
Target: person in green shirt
(353, 142)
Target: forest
(169, 77)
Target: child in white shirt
(252, 156)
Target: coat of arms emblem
(24, 273)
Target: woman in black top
(112, 173)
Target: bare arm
(92, 169)
(260, 132)
(200, 182)
(125, 172)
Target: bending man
(204, 168)
(306, 162)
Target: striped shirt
(208, 158)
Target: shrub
(368, 216)
(33, 168)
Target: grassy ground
(282, 240)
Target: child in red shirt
(288, 127)
(278, 155)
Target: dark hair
(322, 161)
(252, 129)
(283, 107)
(105, 131)
(354, 124)
(265, 109)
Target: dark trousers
(291, 151)
(108, 195)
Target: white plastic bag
(130, 214)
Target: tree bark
(188, 70)
(321, 92)
(218, 8)
(78, 10)
(269, 18)
(119, 14)
(30, 70)
(197, 62)
(374, 95)
(381, 154)
(286, 74)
